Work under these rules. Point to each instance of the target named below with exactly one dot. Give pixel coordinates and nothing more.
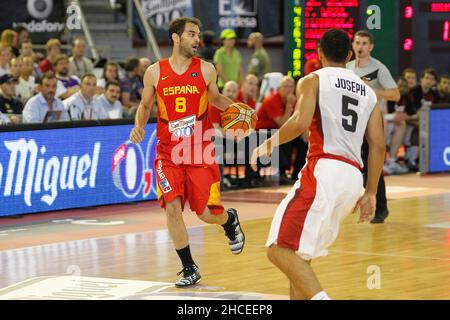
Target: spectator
(228, 61)
(421, 95)
(277, 107)
(67, 85)
(246, 95)
(312, 65)
(82, 105)
(9, 104)
(9, 37)
(110, 73)
(26, 50)
(444, 89)
(26, 86)
(424, 93)
(110, 102)
(144, 63)
(260, 61)
(131, 87)
(411, 78)
(269, 85)
(377, 76)
(274, 111)
(5, 58)
(230, 90)
(15, 67)
(79, 65)
(248, 91)
(53, 48)
(397, 129)
(22, 35)
(208, 49)
(36, 108)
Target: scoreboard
(308, 20)
(413, 33)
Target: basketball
(238, 118)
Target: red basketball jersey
(182, 107)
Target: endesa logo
(132, 171)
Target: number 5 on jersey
(180, 104)
(348, 112)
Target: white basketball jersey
(343, 110)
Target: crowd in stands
(65, 83)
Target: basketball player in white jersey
(338, 108)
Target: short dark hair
(365, 33)
(429, 71)
(87, 75)
(47, 75)
(335, 44)
(131, 64)
(20, 28)
(112, 83)
(208, 37)
(444, 76)
(408, 70)
(177, 25)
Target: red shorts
(200, 185)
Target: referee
(378, 77)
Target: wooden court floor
(407, 257)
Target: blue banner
(56, 169)
(439, 140)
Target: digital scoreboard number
(424, 32)
(326, 14)
(308, 20)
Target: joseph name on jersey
(348, 85)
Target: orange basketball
(238, 117)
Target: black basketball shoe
(190, 276)
(234, 233)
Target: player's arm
(214, 96)
(146, 104)
(299, 122)
(377, 150)
(392, 94)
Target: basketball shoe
(190, 276)
(234, 233)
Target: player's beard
(186, 50)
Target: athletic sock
(229, 222)
(185, 257)
(322, 295)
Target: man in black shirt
(421, 95)
(9, 104)
(444, 89)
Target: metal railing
(152, 45)
(87, 32)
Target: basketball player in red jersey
(183, 85)
(338, 109)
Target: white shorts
(307, 220)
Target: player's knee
(272, 253)
(173, 210)
(206, 217)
